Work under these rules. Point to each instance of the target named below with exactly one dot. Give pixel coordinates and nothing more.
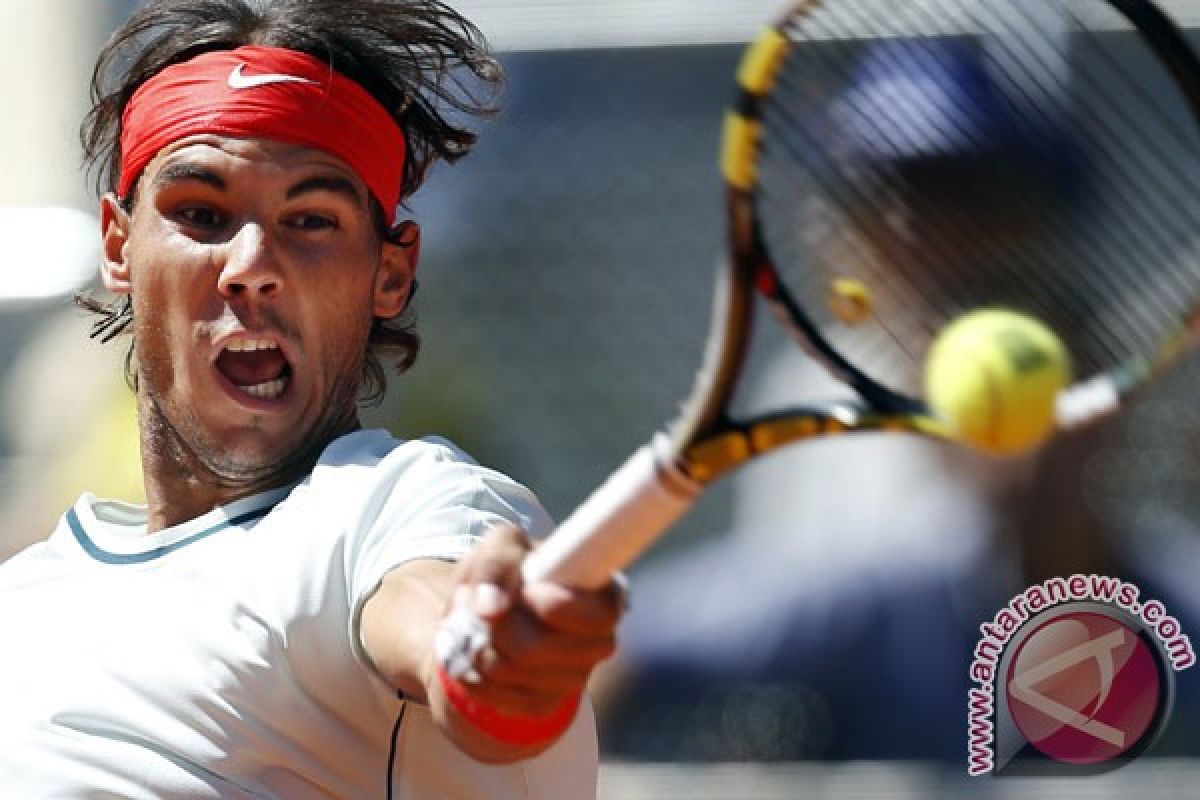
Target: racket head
(894, 165)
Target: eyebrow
(183, 171)
(327, 183)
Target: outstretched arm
(545, 640)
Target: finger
(522, 644)
(490, 575)
(575, 611)
(552, 675)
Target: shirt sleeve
(429, 500)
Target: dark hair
(425, 63)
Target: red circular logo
(1083, 688)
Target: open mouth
(256, 367)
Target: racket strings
(1036, 69)
(1169, 200)
(842, 248)
(824, 228)
(1118, 74)
(970, 228)
(1116, 291)
(866, 189)
(968, 231)
(897, 117)
(1147, 200)
(1147, 319)
(829, 230)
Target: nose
(250, 268)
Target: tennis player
(265, 626)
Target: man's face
(255, 271)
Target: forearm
(399, 624)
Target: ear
(394, 283)
(114, 228)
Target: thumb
(490, 575)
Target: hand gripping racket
(894, 165)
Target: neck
(184, 482)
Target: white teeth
(248, 345)
(267, 389)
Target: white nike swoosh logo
(239, 81)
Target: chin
(253, 456)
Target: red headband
(265, 93)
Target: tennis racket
(891, 165)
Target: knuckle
(517, 641)
(508, 536)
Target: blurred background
(790, 639)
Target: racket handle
(622, 518)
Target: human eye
(312, 222)
(199, 216)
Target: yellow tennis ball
(993, 376)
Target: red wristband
(503, 727)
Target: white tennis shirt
(220, 658)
